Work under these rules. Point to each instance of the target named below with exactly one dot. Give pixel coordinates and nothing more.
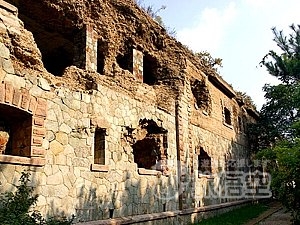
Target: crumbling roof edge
(252, 112)
(222, 85)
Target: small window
(227, 116)
(99, 146)
(204, 162)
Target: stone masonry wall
(66, 112)
(67, 179)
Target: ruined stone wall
(179, 111)
(70, 181)
(66, 178)
(224, 141)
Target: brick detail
(41, 109)
(38, 151)
(35, 106)
(16, 98)
(9, 91)
(38, 131)
(32, 104)
(36, 140)
(25, 100)
(2, 92)
(38, 121)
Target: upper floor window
(201, 95)
(227, 116)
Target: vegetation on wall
(278, 129)
(154, 13)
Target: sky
(237, 31)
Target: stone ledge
(214, 207)
(133, 219)
(228, 125)
(163, 215)
(10, 159)
(206, 176)
(9, 7)
(231, 178)
(205, 113)
(99, 168)
(143, 171)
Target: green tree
(279, 126)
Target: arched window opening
(15, 131)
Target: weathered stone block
(56, 147)
(62, 138)
(4, 51)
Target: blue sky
(238, 31)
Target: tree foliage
(243, 96)
(16, 208)
(283, 100)
(207, 60)
(278, 129)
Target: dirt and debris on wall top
(120, 26)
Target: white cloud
(209, 29)
(260, 3)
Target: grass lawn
(236, 217)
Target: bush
(15, 208)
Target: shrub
(16, 208)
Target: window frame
(99, 124)
(35, 107)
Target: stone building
(111, 116)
